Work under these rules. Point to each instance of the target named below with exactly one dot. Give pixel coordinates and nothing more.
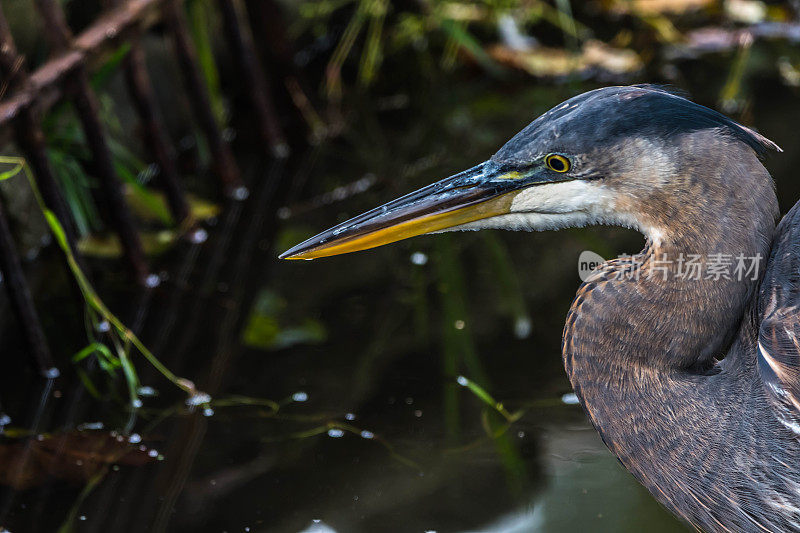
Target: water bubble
(570, 398)
(136, 403)
(364, 183)
(284, 213)
(367, 434)
(103, 326)
(459, 324)
(240, 193)
(299, 396)
(521, 434)
(228, 134)
(186, 142)
(281, 151)
(335, 433)
(152, 281)
(146, 391)
(90, 426)
(135, 438)
(198, 398)
(153, 453)
(52, 373)
(82, 517)
(522, 327)
(153, 170)
(208, 411)
(409, 401)
(418, 413)
(419, 258)
(4, 420)
(462, 381)
(198, 236)
(350, 416)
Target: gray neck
(641, 353)
(679, 303)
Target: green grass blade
(11, 173)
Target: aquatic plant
(114, 354)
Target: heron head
(609, 156)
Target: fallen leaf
(107, 246)
(551, 62)
(657, 7)
(153, 207)
(267, 329)
(75, 457)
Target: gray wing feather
(779, 334)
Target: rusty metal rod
(223, 162)
(87, 107)
(141, 91)
(55, 24)
(21, 301)
(30, 136)
(43, 87)
(254, 80)
(268, 17)
(121, 219)
(30, 139)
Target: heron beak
(481, 192)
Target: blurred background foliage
(605, 39)
(339, 51)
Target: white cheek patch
(568, 204)
(591, 198)
(553, 206)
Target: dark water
(362, 352)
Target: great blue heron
(692, 381)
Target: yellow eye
(557, 163)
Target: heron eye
(557, 163)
